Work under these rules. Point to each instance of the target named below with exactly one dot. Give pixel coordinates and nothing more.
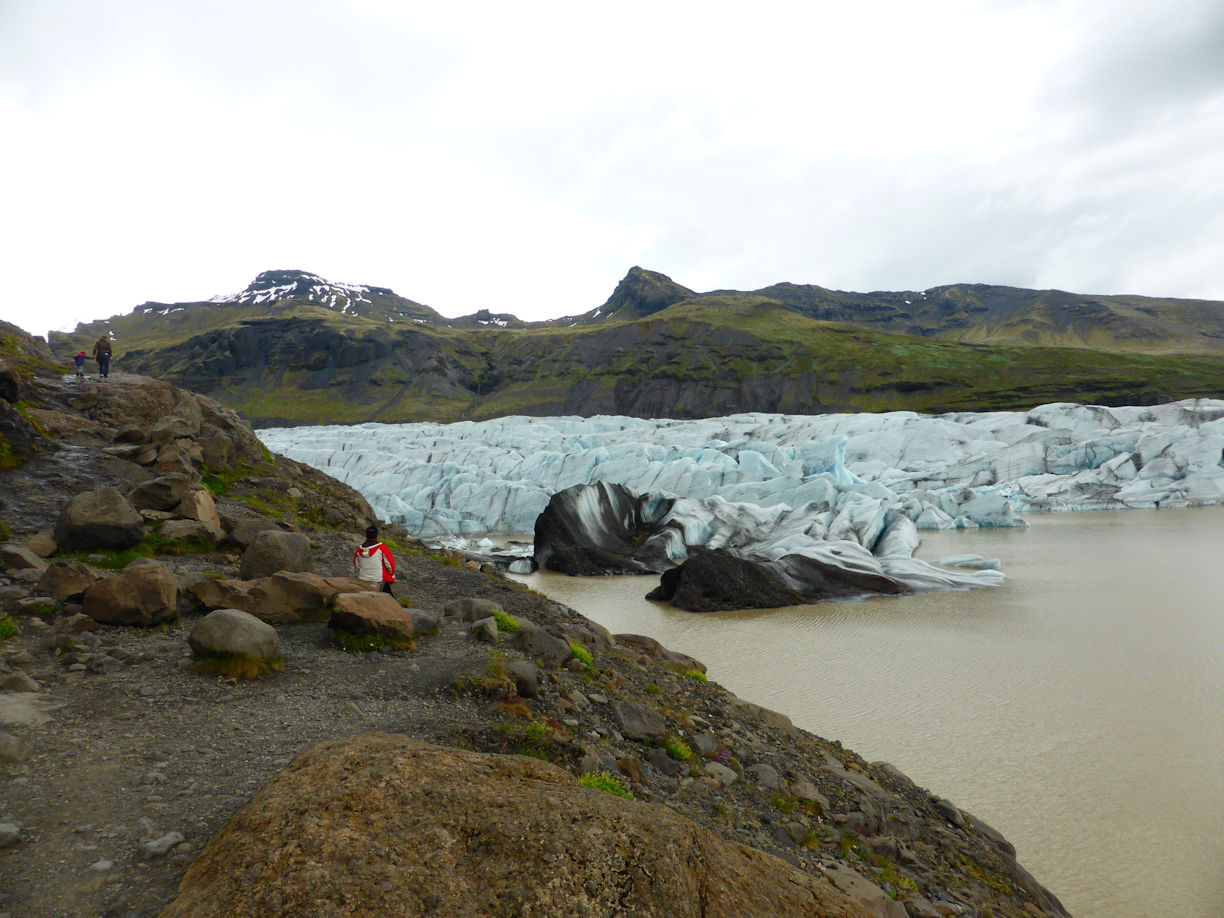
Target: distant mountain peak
(304, 287)
(641, 293)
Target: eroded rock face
(99, 519)
(396, 827)
(143, 593)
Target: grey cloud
(1135, 62)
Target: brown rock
(162, 493)
(286, 596)
(631, 768)
(42, 544)
(242, 532)
(370, 613)
(217, 447)
(15, 557)
(144, 593)
(649, 647)
(273, 551)
(233, 633)
(198, 504)
(189, 531)
(67, 580)
(396, 827)
(178, 456)
(99, 519)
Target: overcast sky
(522, 156)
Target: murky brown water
(1079, 708)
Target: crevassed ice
(837, 474)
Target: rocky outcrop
(399, 827)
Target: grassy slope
(699, 354)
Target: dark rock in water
(713, 580)
(598, 529)
(716, 580)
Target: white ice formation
(953, 470)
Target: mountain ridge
(293, 348)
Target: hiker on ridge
(79, 360)
(102, 354)
(373, 561)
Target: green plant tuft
(506, 622)
(605, 782)
(8, 628)
(677, 748)
(581, 654)
(695, 674)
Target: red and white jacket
(373, 561)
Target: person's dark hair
(371, 532)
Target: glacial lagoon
(1077, 707)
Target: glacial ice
(962, 469)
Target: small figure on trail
(79, 360)
(373, 561)
(102, 354)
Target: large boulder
(397, 827)
(143, 593)
(233, 633)
(284, 597)
(272, 551)
(99, 519)
(371, 613)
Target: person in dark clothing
(372, 561)
(79, 360)
(102, 354)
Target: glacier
(806, 497)
(836, 472)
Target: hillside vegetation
(657, 349)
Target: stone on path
(233, 633)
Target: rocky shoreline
(122, 761)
